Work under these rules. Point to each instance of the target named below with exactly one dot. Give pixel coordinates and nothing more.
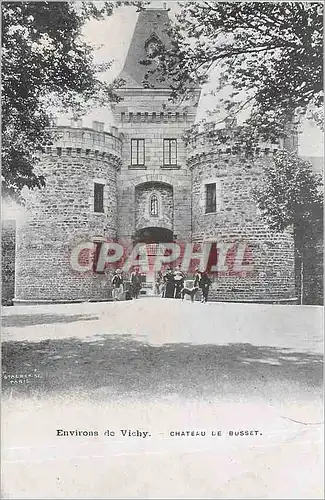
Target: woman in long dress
(169, 284)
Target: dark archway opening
(154, 235)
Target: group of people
(118, 285)
(171, 284)
(168, 285)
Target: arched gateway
(152, 237)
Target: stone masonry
(62, 215)
(164, 196)
(152, 118)
(8, 237)
(236, 220)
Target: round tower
(252, 263)
(78, 204)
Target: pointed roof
(150, 29)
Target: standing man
(179, 282)
(117, 283)
(169, 284)
(135, 283)
(203, 281)
(204, 284)
(159, 283)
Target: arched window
(153, 205)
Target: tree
(269, 56)
(289, 197)
(44, 62)
(289, 194)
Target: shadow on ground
(112, 365)
(22, 320)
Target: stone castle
(142, 181)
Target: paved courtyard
(157, 368)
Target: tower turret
(154, 154)
(78, 204)
(254, 263)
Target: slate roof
(151, 25)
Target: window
(137, 151)
(98, 247)
(153, 208)
(98, 126)
(210, 198)
(170, 151)
(98, 197)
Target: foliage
(44, 62)
(269, 57)
(289, 194)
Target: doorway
(152, 236)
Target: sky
(112, 38)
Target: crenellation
(157, 190)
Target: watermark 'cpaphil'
(216, 257)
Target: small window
(210, 198)
(98, 197)
(98, 247)
(76, 122)
(137, 151)
(170, 152)
(153, 208)
(98, 126)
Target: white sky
(113, 36)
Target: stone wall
(264, 270)
(61, 216)
(313, 263)
(149, 115)
(164, 196)
(8, 241)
